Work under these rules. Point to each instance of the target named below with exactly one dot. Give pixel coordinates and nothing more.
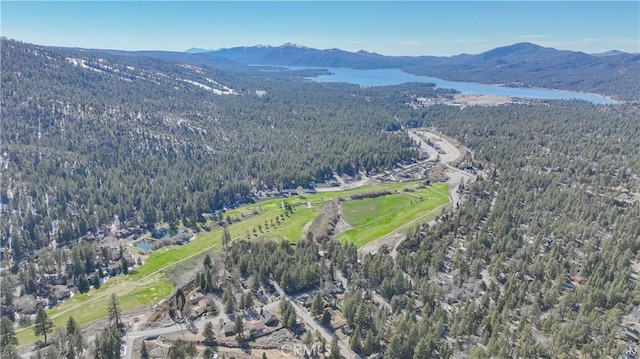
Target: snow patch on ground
(198, 85)
(101, 63)
(225, 90)
(82, 63)
(228, 91)
(191, 67)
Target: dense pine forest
(540, 259)
(555, 227)
(87, 139)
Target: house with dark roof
(269, 318)
(227, 329)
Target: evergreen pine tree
(43, 325)
(208, 334)
(326, 318)
(238, 328)
(354, 341)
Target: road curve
(455, 177)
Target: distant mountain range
(197, 50)
(613, 73)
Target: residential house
(257, 328)
(269, 319)
(337, 321)
(200, 308)
(227, 329)
(196, 298)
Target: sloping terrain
(88, 136)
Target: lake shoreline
(395, 76)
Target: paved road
(131, 336)
(302, 313)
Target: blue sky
(390, 28)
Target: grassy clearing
(363, 211)
(289, 228)
(306, 209)
(317, 197)
(157, 289)
(168, 256)
(374, 218)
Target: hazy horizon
(329, 48)
(195, 49)
(405, 28)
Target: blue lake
(385, 77)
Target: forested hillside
(86, 138)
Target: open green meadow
(372, 218)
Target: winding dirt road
(448, 154)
